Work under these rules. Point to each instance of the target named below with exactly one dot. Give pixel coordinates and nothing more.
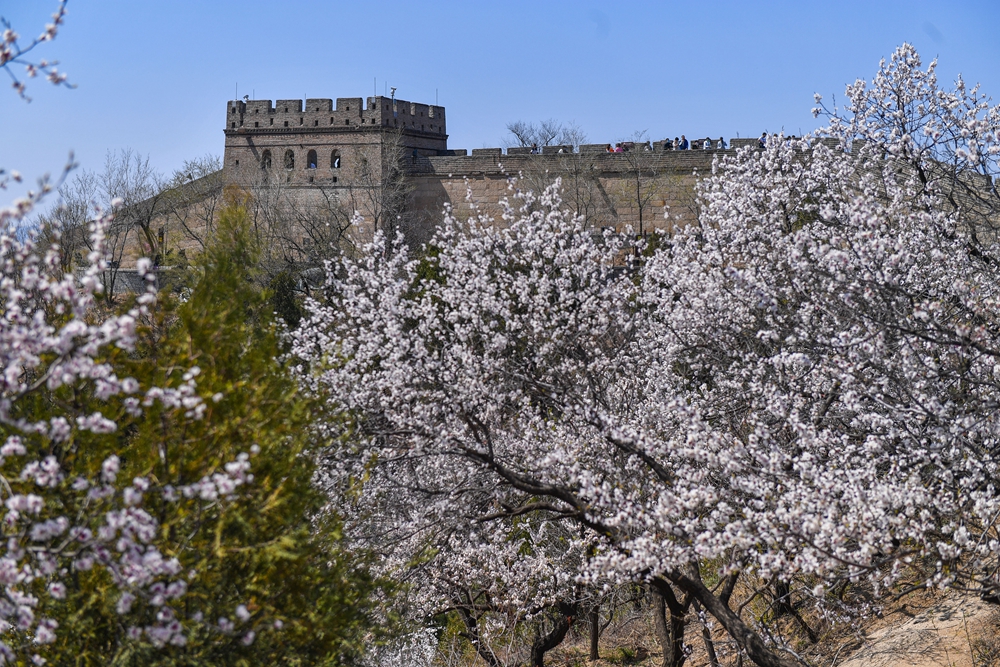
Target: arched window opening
(311, 160)
(289, 159)
(265, 160)
(335, 160)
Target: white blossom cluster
(804, 383)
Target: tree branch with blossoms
(12, 53)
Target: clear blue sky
(155, 76)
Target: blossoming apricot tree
(803, 384)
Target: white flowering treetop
(801, 385)
(462, 539)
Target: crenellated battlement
(325, 115)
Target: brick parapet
(322, 115)
(488, 160)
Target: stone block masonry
(333, 145)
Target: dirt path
(949, 634)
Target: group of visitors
(621, 147)
(682, 144)
(678, 144)
(764, 140)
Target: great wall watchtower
(321, 146)
(321, 143)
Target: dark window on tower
(335, 160)
(234, 126)
(286, 123)
(311, 160)
(256, 124)
(272, 121)
(265, 160)
(289, 159)
(347, 122)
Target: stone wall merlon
(288, 106)
(323, 105)
(352, 104)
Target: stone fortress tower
(319, 143)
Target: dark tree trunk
(595, 632)
(782, 598)
(783, 607)
(668, 615)
(690, 582)
(547, 642)
(706, 635)
(472, 634)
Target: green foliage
(429, 267)
(626, 655)
(283, 301)
(270, 547)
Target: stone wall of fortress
(323, 151)
(609, 188)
